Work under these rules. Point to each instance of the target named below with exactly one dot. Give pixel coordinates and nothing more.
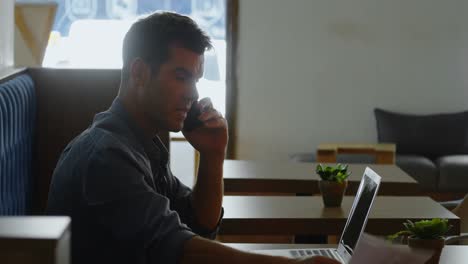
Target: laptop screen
(361, 207)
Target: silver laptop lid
(358, 214)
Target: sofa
(17, 127)
(432, 148)
(41, 110)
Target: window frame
(232, 34)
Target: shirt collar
(152, 146)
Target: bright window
(89, 34)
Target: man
(114, 179)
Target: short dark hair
(149, 38)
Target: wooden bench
(384, 153)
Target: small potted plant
(333, 183)
(426, 234)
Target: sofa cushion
(422, 169)
(453, 172)
(427, 135)
(17, 121)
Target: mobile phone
(191, 121)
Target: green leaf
(398, 234)
(319, 168)
(337, 173)
(426, 229)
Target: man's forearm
(208, 191)
(200, 250)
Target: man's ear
(140, 73)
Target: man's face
(172, 89)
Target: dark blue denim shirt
(125, 204)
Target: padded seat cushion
(453, 173)
(422, 169)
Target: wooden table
(305, 215)
(273, 177)
(450, 254)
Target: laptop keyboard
(299, 253)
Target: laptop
(354, 227)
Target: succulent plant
(338, 173)
(425, 229)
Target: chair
(460, 208)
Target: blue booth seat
(17, 123)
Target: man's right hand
(202, 251)
(317, 260)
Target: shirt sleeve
(127, 208)
(181, 201)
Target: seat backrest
(67, 100)
(17, 127)
(41, 111)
